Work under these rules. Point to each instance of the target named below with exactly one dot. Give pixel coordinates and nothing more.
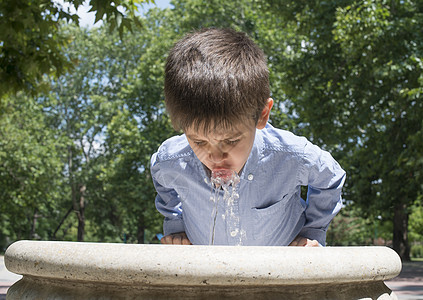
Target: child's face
(227, 148)
(223, 149)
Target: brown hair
(215, 77)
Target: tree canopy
(74, 158)
(31, 43)
(353, 70)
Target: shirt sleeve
(167, 201)
(325, 178)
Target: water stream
(226, 180)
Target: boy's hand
(176, 239)
(300, 241)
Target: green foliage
(111, 108)
(30, 171)
(349, 228)
(417, 251)
(383, 51)
(31, 44)
(353, 72)
(415, 224)
(346, 74)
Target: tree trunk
(79, 209)
(77, 198)
(400, 239)
(140, 230)
(34, 225)
(81, 213)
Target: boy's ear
(264, 117)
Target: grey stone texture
(69, 270)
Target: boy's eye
(232, 142)
(200, 143)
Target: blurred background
(81, 109)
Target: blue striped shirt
(269, 210)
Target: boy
(217, 92)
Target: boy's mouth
(222, 172)
(223, 176)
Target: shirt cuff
(171, 226)
(314, 234)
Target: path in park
(6, 279)
(407, 286)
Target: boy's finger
(302, 242)
(294, 242)
(186, 241)
(166, 240)
(312, 243)
(177, 239)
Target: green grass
(417, 259)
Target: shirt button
(234, 233)
(250, 177)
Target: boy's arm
(325, 179)
(169, 205)
(173, 224)
(167, 201)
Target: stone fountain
(70, 270)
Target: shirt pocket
(267, 220)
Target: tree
(81, 104)
(416, 222)
(109, 109)
(346, 74)
(353, 71)
(31, 45)
(139, 127)
(30, 171)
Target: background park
(81, 110)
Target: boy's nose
(216, 155)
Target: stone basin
(70, 270)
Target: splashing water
(224, 177)
(227, 180)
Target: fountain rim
(153, 264)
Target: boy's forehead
(218, 132)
